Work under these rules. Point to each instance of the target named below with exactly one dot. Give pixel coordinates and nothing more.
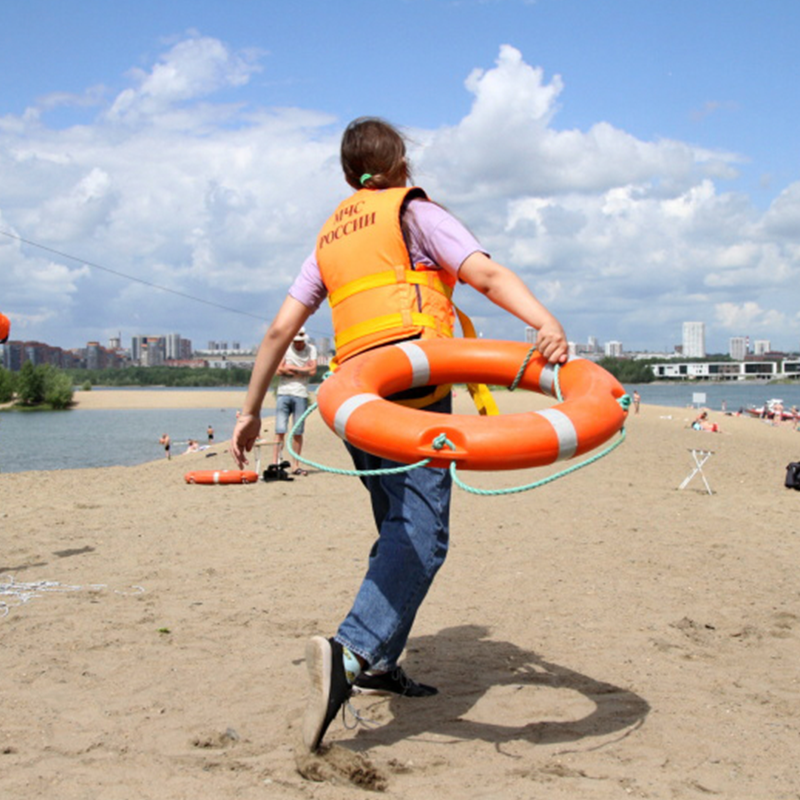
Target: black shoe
(394, 682)
(329, 688)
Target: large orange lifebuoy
(5, 328)
(210, 476)
(352, 404)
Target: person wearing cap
(294, 372)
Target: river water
(48, 440)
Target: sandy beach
(151, 398)
(606, 635)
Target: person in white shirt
(294, 373)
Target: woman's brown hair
(373, 154)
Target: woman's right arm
(506, 289)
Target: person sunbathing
(702, 423)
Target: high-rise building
(737, 349)
(694, 339)
(137, 343)
(531, 334)
(613, 349)
(761, 346)
(173, 345)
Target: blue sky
(636, 162)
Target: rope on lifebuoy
(442, 441)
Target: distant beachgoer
(636, 401)
(294, 372)
(164, 440)
(192, 446)
(702, 423)
(210, 432)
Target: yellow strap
(479, 392)
(481, 396)
(483, 399)
(385, 323)
(389, 278)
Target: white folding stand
(700, 457)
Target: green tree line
(48, 387)
(629, 371)
(160, 376)
(164, 376)
(42, 386)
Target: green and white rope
(442, 441)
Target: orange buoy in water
(211, 477)
(5, 328)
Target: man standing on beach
(294, 373)
(164, 440)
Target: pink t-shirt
(435, 238)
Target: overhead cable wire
(129, 277)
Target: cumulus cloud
(623, 238)
(193, 68)
(748, 316)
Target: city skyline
(173, 347)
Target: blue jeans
(412, 513)
(286, 404)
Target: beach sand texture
(604, 636)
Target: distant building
(16, 353)
(738, 347)
(153, 351)
(694, 339)
(95, 356)
(172, 346)
(531, 334)
(613, 349)
(762, 346)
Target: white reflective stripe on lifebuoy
(547, 379)
(420, 366)
(216, 477)
(565, 430)
(347, 408)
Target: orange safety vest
(376, 294)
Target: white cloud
(193, 68)
(624, 238)
(748, 316)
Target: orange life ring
(210, 476)
(352, 404)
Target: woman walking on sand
(382, 225)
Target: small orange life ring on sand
(352, 403)
(210, 476)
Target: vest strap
(385, 323)
(481, 396)
(389, 278)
